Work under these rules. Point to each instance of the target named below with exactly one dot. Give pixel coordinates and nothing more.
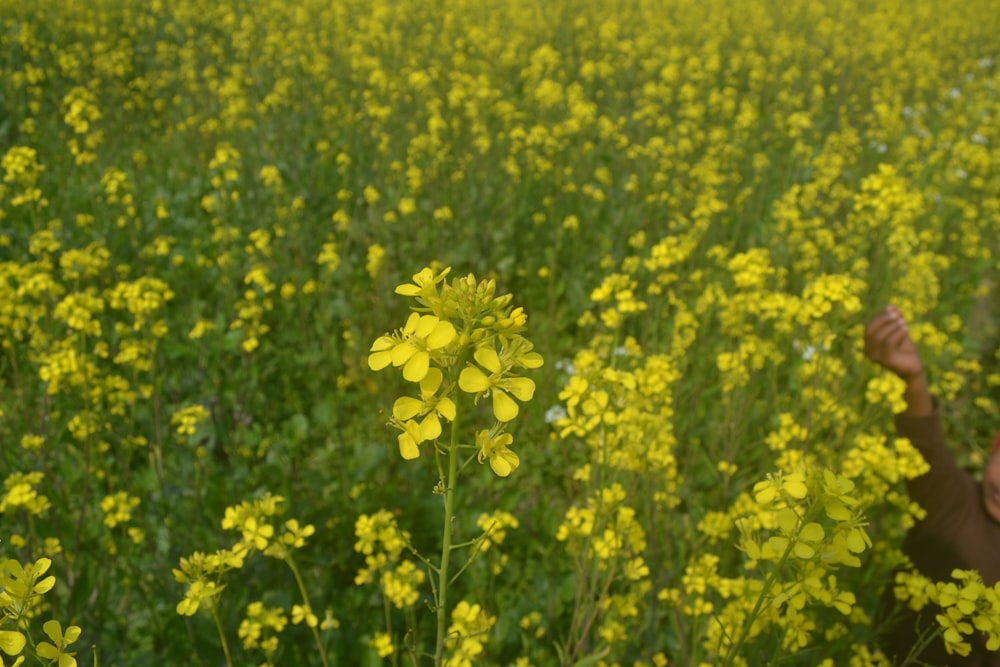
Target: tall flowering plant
(462, 344)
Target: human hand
(888, 343)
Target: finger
(882, 327)
(889, 337)
(875, 329)
(898, 336)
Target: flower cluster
(461, 335)
(494, 527)
(382, 543)
(468, 632)
(22, 587)
(966, 607)
(204, 574)
(802, 526)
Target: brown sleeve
(946, 492)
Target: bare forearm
(917, 396)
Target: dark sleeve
(946, 491)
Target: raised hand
(888, 343)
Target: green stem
(222, 635)
(388, 625)
(449, 513)
(758, 607)
(305, 601)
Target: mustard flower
(295, 536)
(474, 381)
(200, 595)
(256, 533)
(56, 651)
(424, 285)
(406, 407)
(118, 508)
(503, 461)
(400, 585)
(412, 347)
(382, 643)
(20, 583)
(495, 526)
(304, 614)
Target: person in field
(962, 526)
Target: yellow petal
(488, 359)
(11, 642)
(765, 494)
(430, 427)
(45, 585)
(411, 323)
(795, 486)
(473, 380)
(442, 334)
(402, 352)
(187, 607)
(531, 360)
(787, 520)
(379, 360)
(777, 544)
(836, 511)
(46, 650)
(504, 407)
(54, 630)
(504, 463)
(803, 550)
(416, 368)
(431, 382)
(446, 408)
(425, 276)
(406, 408)
(408, 448)
(856, 541)
(425, 325)
(382, 343)
(522, 388)
(812, 532)
(408, 290)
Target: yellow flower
(503, 461)
(406, 407)
(474, 381)
(382, 643)
(296, 536)
(201, 594)
(424, 286)
(410, 439)
(257, 534)
(304, 613)
(56, 651)
(411, 348)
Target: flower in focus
(475, 381)
(407, 407)
(412, 347)
(503, 461)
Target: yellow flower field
(484, 333)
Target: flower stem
(222, 635)
(759, 605)
(449, 513)
(305, 601)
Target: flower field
(516, 333)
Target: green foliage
(205, 209)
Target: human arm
(946, 490)
(888, 343)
